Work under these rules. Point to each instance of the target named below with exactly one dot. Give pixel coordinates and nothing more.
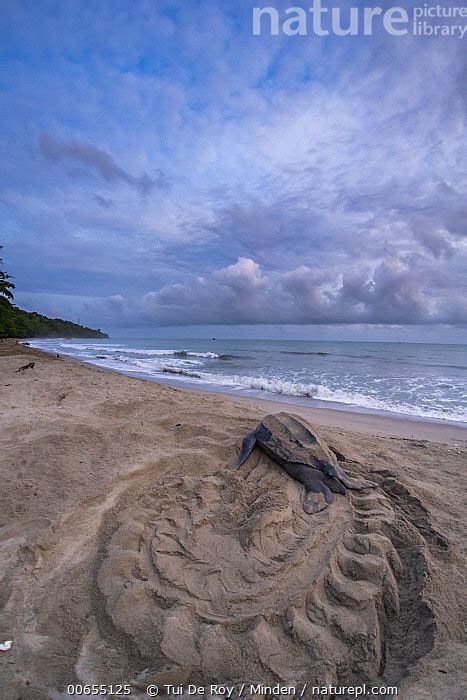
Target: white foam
(275, 386)
(176, 353)
(92, 346)
(323, 393)
(353, 398)
(139, 351)
(209, 355)
(151, 366)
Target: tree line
(16, 323)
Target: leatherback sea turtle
(304, 455)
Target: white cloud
(392, 293)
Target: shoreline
(359, 420)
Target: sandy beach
(133, 552)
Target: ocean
(407, 379)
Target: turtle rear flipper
(318, 486)
(318, 497)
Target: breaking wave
(144, 352)
(181, 372)
(91, 346)
(274, 386)
(323, 393)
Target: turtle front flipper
(248, 444)
(350, 484)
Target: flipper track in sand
(226, 578)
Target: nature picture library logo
(322, 19)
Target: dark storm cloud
(98, 161)
(102, 201)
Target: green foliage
(34, 325)
(7, 320)
(6, 287)
(16, 323)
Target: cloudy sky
(161, 166)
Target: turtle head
(329, 463)
(328, 468)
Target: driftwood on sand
(30, 365)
